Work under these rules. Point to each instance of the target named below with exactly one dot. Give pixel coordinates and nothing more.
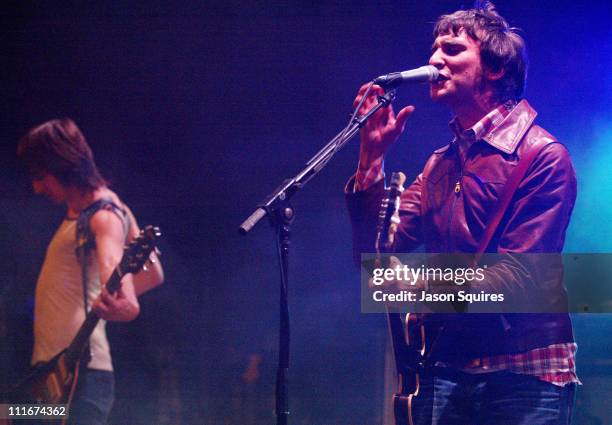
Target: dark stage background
(195, 111)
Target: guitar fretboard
(75, 349)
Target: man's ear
(494, 75)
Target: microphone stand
(278, 208)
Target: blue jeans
(93, 398)
(451, 397)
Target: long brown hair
(59, 148)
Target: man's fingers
(99, 307)
(372, 96)
(398, 125)
(110, 300)
(374, 90)
(387, 283)
(402, 117)
(115, 306)
(371, 283)
(394, 262)
(388, 115)
(360, 94)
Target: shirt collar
(484, 127)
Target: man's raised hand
(382, 129)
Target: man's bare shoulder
(106, 221)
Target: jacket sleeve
(364, 206)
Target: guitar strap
(85, 238)
(506, 196)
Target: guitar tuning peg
(152, 260)
(157, 251)
(144, 267)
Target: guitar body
(402, 409)
(408, 341)
(52, 382)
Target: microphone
(424, 74)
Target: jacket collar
(481, 128)
(507, 135)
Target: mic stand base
(281, 214)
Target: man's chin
(437, 96)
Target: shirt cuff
(367, 177)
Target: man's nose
(436, 59)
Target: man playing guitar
(81, 257)
(491, 369)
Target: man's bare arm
(109, 235)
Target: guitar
(407, 331)
(54, 381)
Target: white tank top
(59, 310)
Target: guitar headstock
(388, 216)
(137, 252)
(396, 187)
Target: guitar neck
(78, 344)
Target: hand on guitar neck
(118, 307)
(395, 277)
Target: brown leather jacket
(447, 207)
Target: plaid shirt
(481, 130)
(554, 363)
